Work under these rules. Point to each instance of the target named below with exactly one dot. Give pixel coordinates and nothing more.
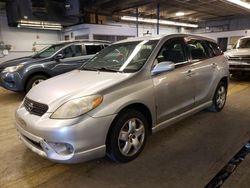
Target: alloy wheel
(131, 137)
(221, 96)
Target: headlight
(12, 69)
(77, 107)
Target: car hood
(238, 52)
(22, 60)
(74, 84)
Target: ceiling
(195, 10)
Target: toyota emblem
(30, 106)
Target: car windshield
(48, 51)
(122, 57)
(242, 43)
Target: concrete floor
(188, 154)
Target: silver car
(239, 57)
(128, 91)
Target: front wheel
(219, 99)
(35, 80)
(127, 136)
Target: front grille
(240, 58)
(34, 107)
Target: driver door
(73, 59)
(174, 90)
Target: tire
(34, 80)
(127, 136)
(220, 97)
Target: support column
(158, 18)
(137, 24)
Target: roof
(158, 37)
(85, 40)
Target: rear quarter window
(215, 48)
(93, 49)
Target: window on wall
(80, 37)
(122, 37)
(66, 37)
(111, 38)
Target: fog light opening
(62, 148)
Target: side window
(198, 50)
(172, 50)
(72, 51)
(93, 49)
(77, 49)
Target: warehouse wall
(94, 29)
(115, 29)
(216, 35)
(227, 24)
(23, 40)
(164, 30)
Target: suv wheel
(127, 136)
(35, 80)
(220, 97)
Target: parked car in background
(24, 73)
(239, 57)
(129, 90)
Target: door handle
(214, 65)
(190, 73)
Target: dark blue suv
(23, 73)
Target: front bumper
(86, 135)
(238, 66)
(11, 81)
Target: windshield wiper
(89, 68)
(108, 69)
(100, 69)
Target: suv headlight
(77, 107)
(12, 68)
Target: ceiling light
(39, 25)
(179, 13)
(240, 3)
(162, 22)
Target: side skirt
(179, 117)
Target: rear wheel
(219, 99)
(35, 80)
(127, 136)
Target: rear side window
(215, 48)
(93, 49)
(198, 50)
(72, 51)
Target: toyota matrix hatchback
(24, 73)
(118, 98)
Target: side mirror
(58, 57)
(164, 66)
